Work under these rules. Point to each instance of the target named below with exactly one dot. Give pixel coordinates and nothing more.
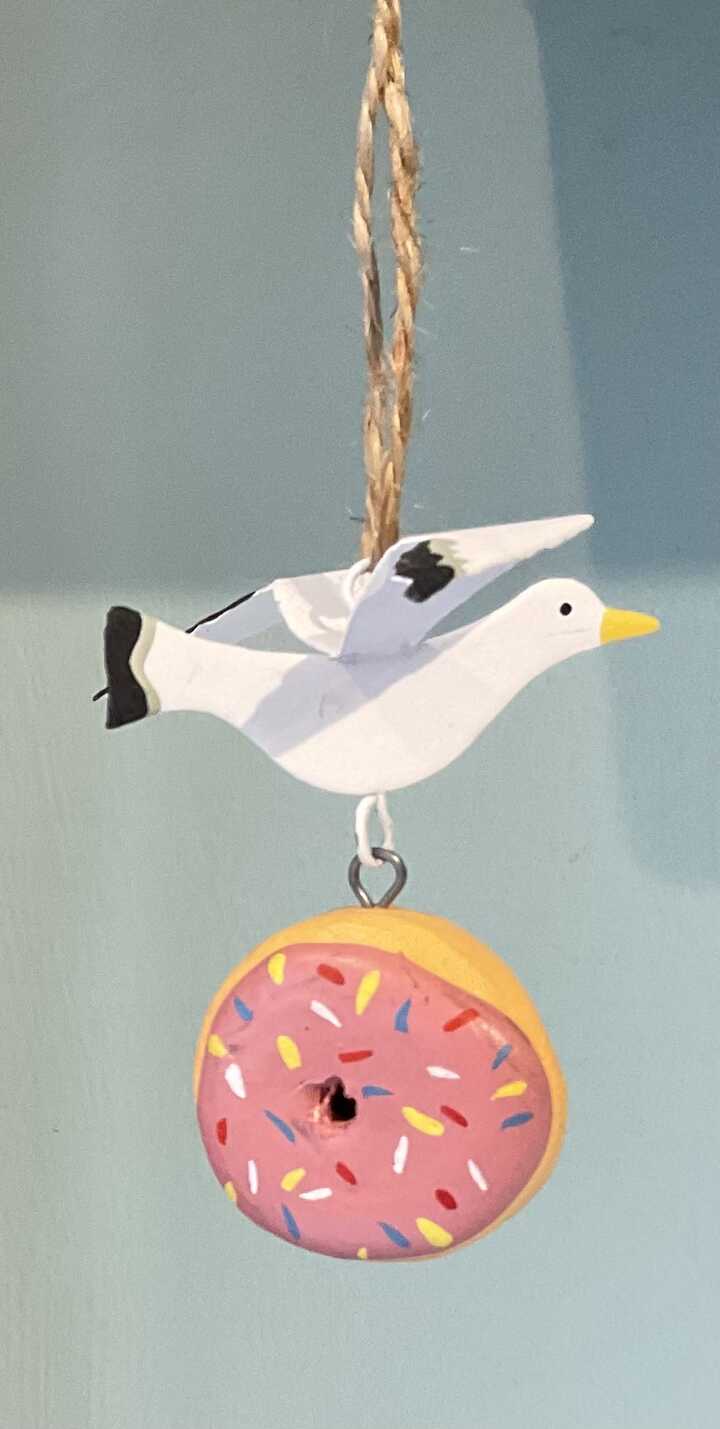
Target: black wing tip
(424, 568)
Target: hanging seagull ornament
(377, 703)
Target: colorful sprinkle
(362, 1253)
(446, 1199)
(253, 1178)
(230, 1192)
(461, 1019)
(291, 1223)
(221, 1131)
(371, 1091)
(453, 1115)
(330, 974)
(401, 1016)
(400, 1155)
(281, 1125)
(434, 1234)
(320, 1194)
(511, 1089)
(289, 1051)
(291, 1179)
(276, 968)
(346, 1173)
(242, 1009)
(367, 988)
(501, 1055)
(477, 1175)
(518, 1119)
(443, 1072)
(321, 1010)
(394, 1235)
(216, 1047)
(235, 1079)
(354, 1056)
(421, 1122)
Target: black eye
(565, 608)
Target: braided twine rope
(387, 416)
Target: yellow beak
(624, 624)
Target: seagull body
(377, 703)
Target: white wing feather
(247, 616)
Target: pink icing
(454, 1167)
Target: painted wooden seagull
(375, 704)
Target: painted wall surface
(182, 373)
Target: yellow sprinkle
(276, 968)
(291, 1179)
(366, 991)
(511, 1089)
(433, 1233)
(230, 1192)
(216, 1047)
(362, 1253)
(289, 1051)
(421, 1122)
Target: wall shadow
(633, 107)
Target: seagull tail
(128, 637)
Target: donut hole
(331, 1102)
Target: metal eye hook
(385, 855)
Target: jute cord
(387, 416)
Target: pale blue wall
(182, 370)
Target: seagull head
(573, 618)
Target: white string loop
(351, 579)
(373, 804)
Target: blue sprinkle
(501, 1055)
(281, 1125)
(518, 1119)
(401, 1016)
(376, 1092)
(243, 1010)
(394, 1235)
(290, 1222)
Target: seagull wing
(422, 578)
(314, 608)
(246, 616)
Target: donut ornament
(374, 1083)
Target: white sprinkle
(443, 1072)
(400, 1155)
(321, 1010)
(321, 1194)
(253, 1178)
(235, 1080)
(477, 1176)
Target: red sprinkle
(460, 1019)
(346, 1173)
(446, 1199)
(453, 1115)
(353, 1056)
(221, 1131)
(330, 974)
